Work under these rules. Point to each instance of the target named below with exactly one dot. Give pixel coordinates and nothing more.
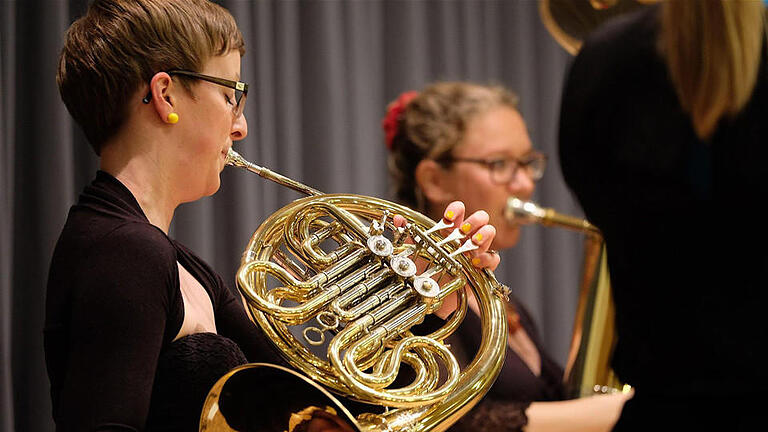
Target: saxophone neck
(529, 212)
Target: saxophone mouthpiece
(521, 211)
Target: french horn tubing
(337, 288)
(588, 369)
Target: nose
(522, 184)
(239, 128)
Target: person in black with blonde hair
(663, 141)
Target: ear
(434, 182)
(162, 97)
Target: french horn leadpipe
(588, 369)
(337, 288)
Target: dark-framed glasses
(503, 170)
(240, 88)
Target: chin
(214, 187)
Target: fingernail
(476, 261)
(449, 215)
(466, 227)
(478, 238)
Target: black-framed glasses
(503, 170)
(240, 88)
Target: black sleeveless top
(186, 371)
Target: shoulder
(624, 33)
(618, 44)
(133, 262)
(135, 243)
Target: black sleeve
(119, 309)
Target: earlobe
(433, 181)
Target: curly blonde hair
(432, 125)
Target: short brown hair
(118, 45)
(433, 124)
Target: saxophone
(588, 369)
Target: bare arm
(589, 414)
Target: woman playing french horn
(138, 327)
(464, 141)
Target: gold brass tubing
(301, 221)
(449, 288)
(356, 376)
(454, 320)
(298, 227)
(298, 314)
(345, 263)
(374, 279)
(289, 264)
(423, 378)
(386, 369)
(367, 344)
(304, 220)
(427, 372)
(312, 243)
(396, 301)
(364, 306)
(314, 240)
(325, 296)
(291, 315)
(370, 302)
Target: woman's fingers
(474, 226)
(399, 221)
(454, 212)
(483, 256)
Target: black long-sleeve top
(685, 241)
(113, 308)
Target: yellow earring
(173, 118)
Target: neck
(140, 170)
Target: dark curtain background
(321, 73)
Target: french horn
(588, 369)
(338, 287)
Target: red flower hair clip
(394, 111)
